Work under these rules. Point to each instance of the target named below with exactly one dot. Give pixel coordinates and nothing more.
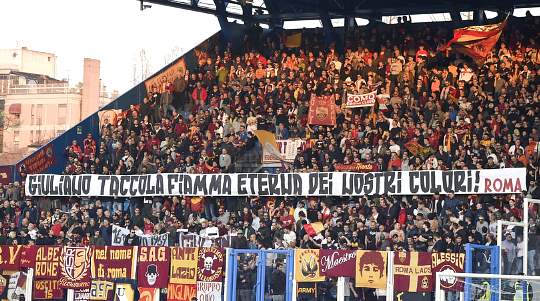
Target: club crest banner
(211, 264)
(153, 267)
(181, 292)
(10, 258)
(322, 110)
(371, 269)
(361, 100)
(184, 263)
(448, 262)
(75, 267)
(412, 272)
(110, 263)
(306, 265)
(337, 263)
(425, 182)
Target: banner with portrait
(371, 269)
(306, 265)
(153, 267)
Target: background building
(35, 107)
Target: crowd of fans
(463, 114)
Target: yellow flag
(306, 265)
(371, 267)
(293, 40)
(183, 265)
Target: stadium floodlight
(523, 286)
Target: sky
(113, 31)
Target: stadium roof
(275, 12)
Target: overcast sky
(113, 31)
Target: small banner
(47, 262)
(357, 167)
(337, 263)
(101, 290)
(120, 233)
(184, 262)
(75, 267)
(114, 262)
(197, 241)
(287, 149)
(124, 291)
(405, 296)
(209, 290)
(10, 258)
(168, 75)
(211, 264)
(81, 294)
(306, 291)
(293, 40)
(425, 182)
(361, 100)
(412, 272)
(46, 289)
(322, 110)
(371, 269)
(448, 262)
(306, 265)
(148, 294)
(28, 256)
(153, 267)
(181, 292)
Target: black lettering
(227, 183)
(123, 190)
(86, 181)
(459, 180)
(252, 177)
(368, 179)
(273, 184)
(242, 184)
(378, 176)
(150, 189)
(200, 185)
(347, 179)
(103, 180)
(188, 185)
(286, 183)
(447, 180)
(67, 185)
(262, 182)
(171, 180)
(142, 184)
(54, 189)
(114, 186)
(424, 182)
(313, 183)
(388, 186)
(132, 189)
(31, 186)
(159, 184)
(297, 180)
(413, 176)
(215, 184)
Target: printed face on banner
(153, 267)
(371, 269)
(75, 267)
(210, 266)
(184, 265)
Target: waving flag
(476, 41)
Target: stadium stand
(456, 114)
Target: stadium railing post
(341, 289)
(29, 281)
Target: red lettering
(487, 185)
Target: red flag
(412, 272)
(476, 41)
(322, 110)
(314, 228)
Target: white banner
(287, 150)
(190, 240)
(488, 181)
(209, 291)
(361, 100)
(158, 240)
